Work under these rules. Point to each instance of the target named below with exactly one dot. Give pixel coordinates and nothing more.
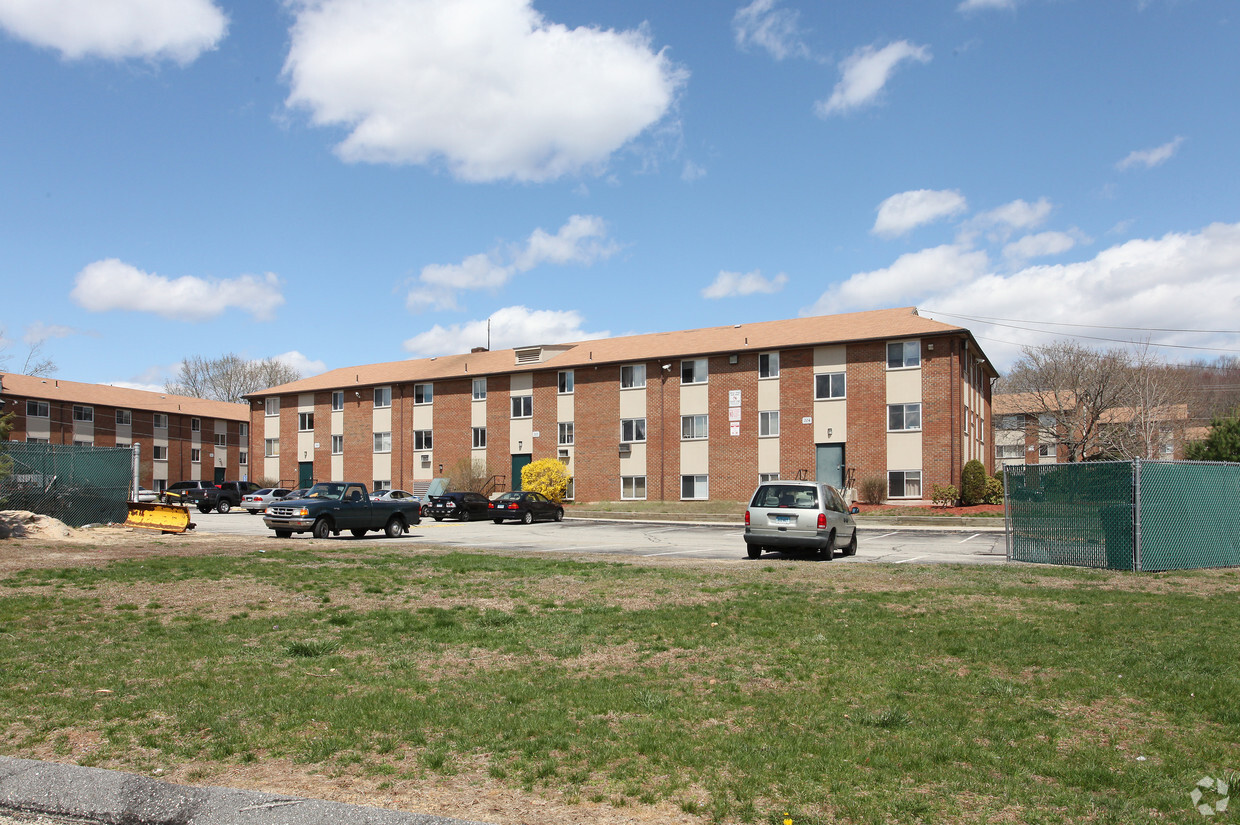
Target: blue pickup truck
(333, 506)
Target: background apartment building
(182, 439)
(696, 414)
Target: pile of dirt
(23, 524)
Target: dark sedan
(463, 506)
(525, 507)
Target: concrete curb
(93, 795)
(954, 526)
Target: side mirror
(854, 510)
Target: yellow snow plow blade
(167, 518)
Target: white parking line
(885, 535)
(906, 561)
(970, 538)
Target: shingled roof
(106, 395)
(817, 330)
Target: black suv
(179, 491)
(221, 497)
(463, 506)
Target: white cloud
(582, 240)
(775, 30)
(912, 277)
(981, 5)
(1149, 158)
(177, 30)
(513, 326)
(301, 363)
(865, 72)
(489, 88)
(113, 284)
(1039, 245)
(1018, 214)
(731, 284)
(907, 210)
(38, 332)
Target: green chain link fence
(76, 484)
(1124, 515)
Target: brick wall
(866, 450)
(596, 458)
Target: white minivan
(799, 515)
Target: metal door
(830, 468)
(519, 461)
(305, 473)
(219, 475)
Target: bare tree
(35, 362)
(1152, 408)
(229, 377)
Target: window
(221, 439)
(1046, 451)
(422, 440)
(693, 371)
(768, 365)
(765, 477)
(480, 437)
(271, 447)
(84, 414)
(195, 455)
(904, 484)
(383, 442)
(522, 406)
(337, 445)
(385, 484)
(383, 396)
(423, 393)
(564, 382)
(37, 409)
(829, 385)
(633, 429)
(305, 422)
(903, 354)
(123, 444)
(694, 487)
(82, 443)
(1011, 422)
(33, 440)
(273, 407)
(768, 423)
(124, 418)
(694, 427)
(337, 400)
(480, 389)
(243, 457)
(566, 433)
(159, 453)
(903, 417)
(1009, 451)
(243, 430)
(633, 487)
(160, 421)
(195, 425)
(633, 376)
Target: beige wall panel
(522, 383)
(381, 468)
(633, 403)
(634, 464)
(694, 457)
(830, 421)
(694, 399)
(337, 422)
(768, 393)
(271, 468)
(337, 469)
(423, 416)
(521, 435)
(903, 386)
(768, 456)
(565, 408)
(478, 413)
(904, 452)
(830, 359)
(381, 420)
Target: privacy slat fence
(74, 483)
(1124, 515)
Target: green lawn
(739, 692)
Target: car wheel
(394, 528)
(828, 551)
(528, 518)
(850, 549)
(322, 529)
(498, 520)
(357, 533)
(224, 506)
(284, 534)
(203, 508)
(753, 550)
(559, 514)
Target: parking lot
(712, 542)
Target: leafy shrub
(873, 490)
(994, 491)
(972, 483)
(548, 476)
(944, 495)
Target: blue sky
(339, 182)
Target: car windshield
(786, 495)
(325, 491)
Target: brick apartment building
(695, 414)
(182, 439)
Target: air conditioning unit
(426, 460)
(563, 452)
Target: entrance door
(219, 475)
(305, 473)
(831, 465)
(519, 461)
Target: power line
(1082, 326)
(1094, 337)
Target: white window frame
(423, 393)
(768, 365)
(694, 371)
(522, 406)
(632, 377)
(1047, 451)
(480, 438)
(271, 407)
(698, 487)
(84, 413)
(383, 398)
(42, 409)
(243, 457)
(904, 417)
(480, 389)
(124, 418)
(160, 421)
(383, 442)
(337, 400)
(32, 439)
(906, 477)
(423, 440)
(221, 439)
(305, 422)
(768, 423)
(565, 433)
(565, 382)
(243, 430)
(159, 452)
(1016, 450)
(195, 425)
(337, 445)
(630, 428)
(836, 386)
(909, 356)
(380, 485)
(271, 447)
(1012, 422)
(763, 478)
(195, 455)
(632, 488)
(694, 427)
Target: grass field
(726, 692)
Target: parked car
(258, 500)
(146, 495)
(293, 495)
(392, 495)
(221, 497)
(524, 506)
(458, 505)
(177, 492)
(799, 515)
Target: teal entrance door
(830, 468)
(219, 475)
(519, 461)
(305, 473)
